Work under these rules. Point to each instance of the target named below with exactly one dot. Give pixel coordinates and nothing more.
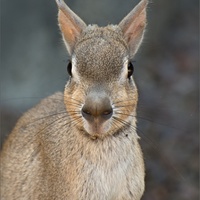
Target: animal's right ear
(70, 24)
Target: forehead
(100, 52)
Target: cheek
(123, 93)
(125, 102)
(73, 99)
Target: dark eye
(69, 68)
(130, 69)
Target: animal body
(82, 144)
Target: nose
(97, 106)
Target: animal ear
(70, 25)
(133, 27)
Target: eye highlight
(130, 69)
(69, 68)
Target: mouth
(97, 129)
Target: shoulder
(51, 103)
(46, 110)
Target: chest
(100, 175)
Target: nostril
(85, 111)
(97, 108)
(102, 113)
(86, 114)
(107, 114)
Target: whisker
(73, 114)
(120, 113)
(44, 117)
(50, 124)
(129, 105)
(154, 146)
(163, 157)
(149, 120)
(78, 101)
(122, 101)
(121, 121)
(115, 122)
(73, 103)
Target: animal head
(101, 96)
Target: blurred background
(33, 66)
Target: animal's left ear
(133, 26)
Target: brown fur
(53, 152)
